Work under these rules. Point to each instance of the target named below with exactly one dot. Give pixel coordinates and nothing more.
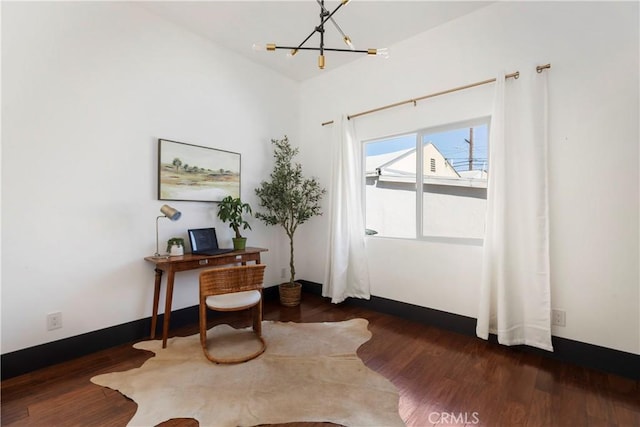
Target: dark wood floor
(443, 378)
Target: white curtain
(347, 273)
(515, 300)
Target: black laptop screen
(203, 239)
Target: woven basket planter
(290, 295)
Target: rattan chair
(232, 289)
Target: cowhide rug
(309, 372)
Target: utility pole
(470, 142)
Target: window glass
(455, 181)
(453, 163)
(390, 190)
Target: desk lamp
(170, 213)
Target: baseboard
(583, 354)
(579, 353)
(30, 359)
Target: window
(390, 191)
(450, 201)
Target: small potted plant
(231, 210)
(175, 246)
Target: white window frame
(419, 135)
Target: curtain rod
(414, 101)
(540, 68)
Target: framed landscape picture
(194, 173)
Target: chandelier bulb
(383, 52)
(258, 47)
(321, 62)
(347, 40)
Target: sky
(451, 144)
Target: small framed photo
(193, 173)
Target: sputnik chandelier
(325, 16)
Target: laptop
(205, 242)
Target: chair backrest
(228, 280)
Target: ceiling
(237, 25)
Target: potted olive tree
(288, 200)
(231, 210)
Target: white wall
(88, 88)
(593, 49)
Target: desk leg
(167, 308)
(156, 300)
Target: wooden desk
(174, 264)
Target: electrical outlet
(54, 321)
(283, 271)
(559, 317)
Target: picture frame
(188, 172)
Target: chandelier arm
(333, 21)
(321, 24)
(305, 40)
(320, 28)
(330, 49)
